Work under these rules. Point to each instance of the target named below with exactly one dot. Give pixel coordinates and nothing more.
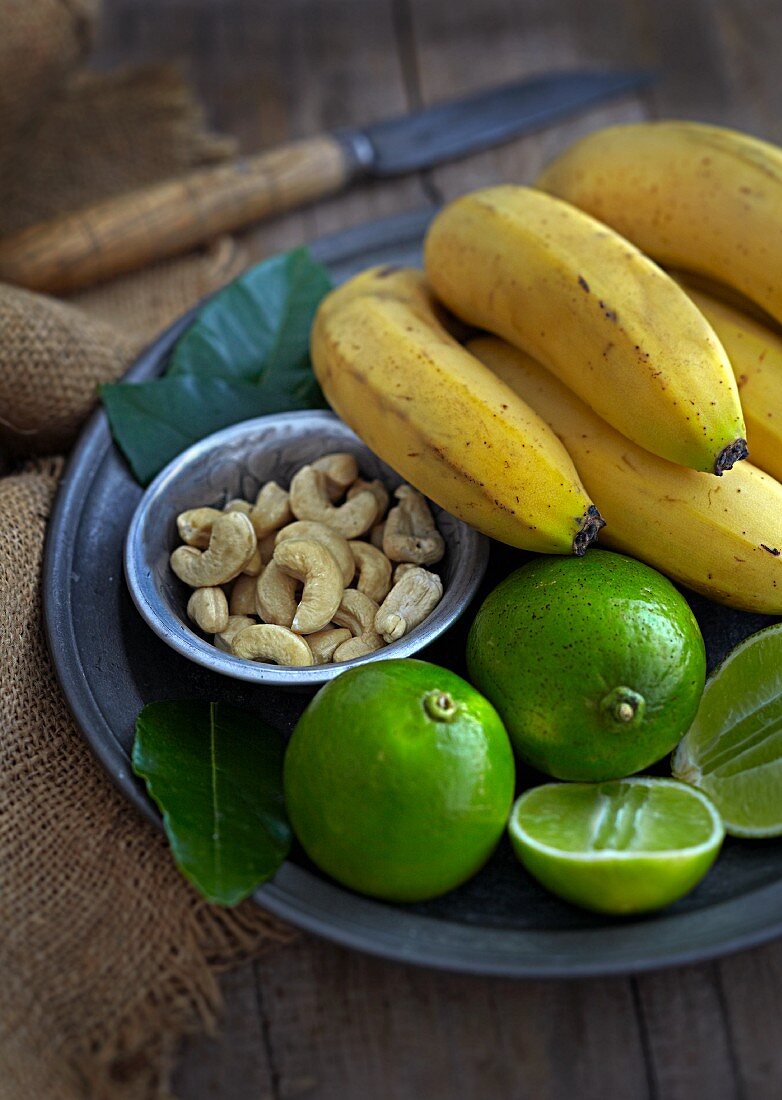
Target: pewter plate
(110, 663)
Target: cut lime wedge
(628, 846)
(733, 750)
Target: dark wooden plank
(235, 1064)
(751, 32)
(342, 67)
(274, 72)
(460, 46)
(688, 1040)
(751, 992)
(683, 43)
(344, 1025)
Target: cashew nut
(358, 647)
(324, 642)
(271, 509)
(377, 488)
(231, 545)
(275, 596)
(195, 526)
(310, 500)
(254, 566)
(376, 535)
(341, 470)
(402, 568)
(235, 624)
(266, 546)
(411, 534)
(242, 598)
(208, 609)
(275, 644)
(374, 570)
(312, 563)
(331, 539)
(357, 612)
(290, 556)
(408, 603)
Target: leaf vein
(215, 803)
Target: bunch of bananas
(609, 389)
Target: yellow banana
(588, 305)
(755, 353)
(722, 538)
(443, 420)
(699, 197)
(691, 280)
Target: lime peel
(398, 779)
(601, 717)
(733, 750)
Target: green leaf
(247, 354)
(154, 421)
(258, 327)
(216, 774)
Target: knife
(127, 232)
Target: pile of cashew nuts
(320, 572)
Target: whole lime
(596, 664)
(399, 779)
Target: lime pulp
(733, 750)
(625, 846)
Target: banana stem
(591, 523)
(730, 455)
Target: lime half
(733, 750)
(625, 846)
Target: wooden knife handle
(130, 231)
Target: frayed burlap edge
(136, 1061)
(131, 128)
(108, 956)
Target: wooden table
(313, 1020)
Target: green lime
(628, 846)
(595, 664)
(733, 750)
(399, 779)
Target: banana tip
(591, 523)
(730, 455)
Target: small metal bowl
(235, 463)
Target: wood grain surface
(314, 1020)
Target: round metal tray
(110, 663)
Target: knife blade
(458, 127)
(130, 231)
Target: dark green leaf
(257, 329)
(216, 774)
(154, 421)
(246, 355)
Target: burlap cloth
(107, 957)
